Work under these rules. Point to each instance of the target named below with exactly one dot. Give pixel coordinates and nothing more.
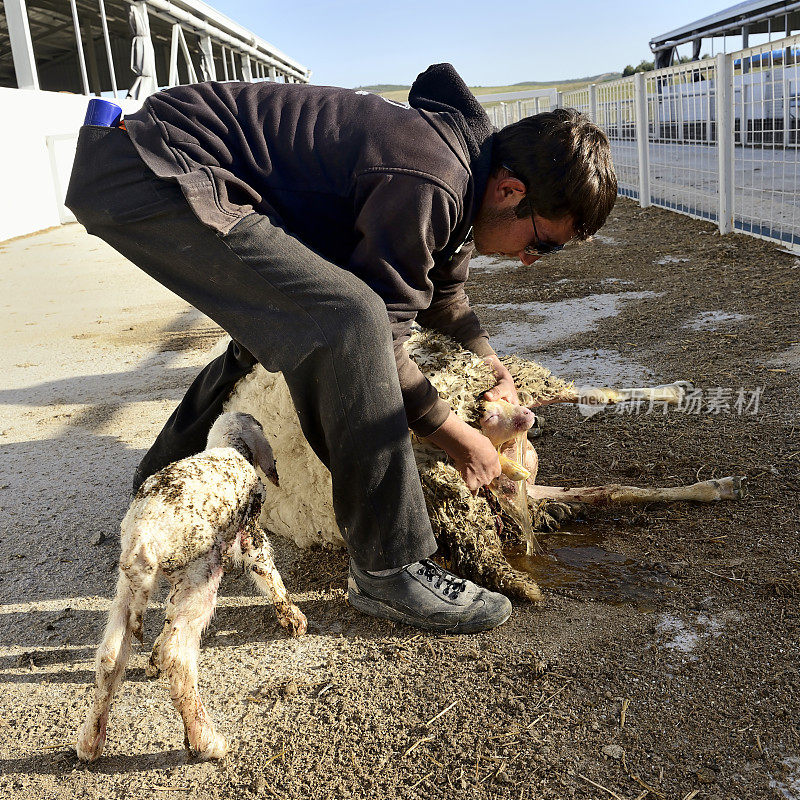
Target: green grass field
(394, 92)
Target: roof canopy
(88, 45)
(753, 16)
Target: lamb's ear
(254, 438)
(525, 398)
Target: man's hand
(473, 454)
(504, 389)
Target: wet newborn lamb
(184, 522)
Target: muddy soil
(663, 664)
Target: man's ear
(509, 189)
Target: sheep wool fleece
(314, 225)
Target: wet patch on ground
(576, 563)
(527, 328)
(712, 320)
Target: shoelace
(453, 584)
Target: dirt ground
(669, 633)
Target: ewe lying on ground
(466, 527)
(184, 522)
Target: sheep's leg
(153, 666)
(731, 488)
(268, 581)
(194, 598)
(125, 620)
(672, 394)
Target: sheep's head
(461, 377)
(244, 433)
(502, 421)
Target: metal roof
(53, 40)
(205, 11)
(754, 13)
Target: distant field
(401, 93)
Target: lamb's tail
(137, 576)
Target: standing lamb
(184, 522)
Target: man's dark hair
(564, 160)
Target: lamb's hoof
(552, 513)
(216, 749)
(91, 739)
(523, 587)
(732, 488)
(208, 745)
(560, 511)
(152, 670)
(294, 620)
(673, 393)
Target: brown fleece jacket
(381, 189)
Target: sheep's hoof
(551, 513)
(216, 749)
(293, 619)
(91, 739)
(732, 488)
(517, 584)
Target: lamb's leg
(125, 620)
(194, 598)
(671, 394)
(731, 488)
(153, 667)
(267, 580)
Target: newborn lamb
(184, 522)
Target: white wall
(34, 176)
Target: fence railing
(717, 139)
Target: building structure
(55, 53)
(739, 23)
(130, 47)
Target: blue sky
(352, 42)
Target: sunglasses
(540, 248)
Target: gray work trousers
(291, 310)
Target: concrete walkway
(98, 354)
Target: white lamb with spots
(184, 522)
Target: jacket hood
(441, 89)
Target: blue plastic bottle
(102, 112)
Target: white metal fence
(716, 139)
(505, 112)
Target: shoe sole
(377, 608)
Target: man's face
(497, 230)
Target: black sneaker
(427, 596)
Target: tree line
(647, 66)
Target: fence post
(207, 65)
(786, 112)
(642, 136)
(559, 99)
(593, 103)
(247, 72)
(19, 32)
(724, 96)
